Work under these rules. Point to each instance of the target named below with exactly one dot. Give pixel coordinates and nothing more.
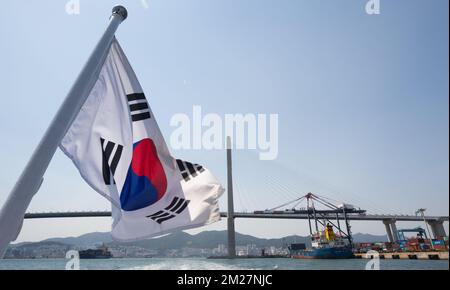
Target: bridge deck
(287, 215)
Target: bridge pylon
(230, 216)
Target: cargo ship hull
(95, 254)
(323, 253)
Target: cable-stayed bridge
(290, 210)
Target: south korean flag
(120, 152)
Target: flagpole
(13, 211)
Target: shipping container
(438, 242)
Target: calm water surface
(219, 264)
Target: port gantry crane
(327, 214)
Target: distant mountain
(180, 239)
(209, 239)
(368, 238)
(86, 240)
(177, 244)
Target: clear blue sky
(363, 101)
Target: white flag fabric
(119, 150)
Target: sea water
(220, 264)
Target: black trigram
(138, 107)
(177, 206)
(111, 153)
(189, 170)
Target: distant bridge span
(435, 222)
(264, 215)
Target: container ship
(326, 244)
(100, 253)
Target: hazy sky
(363, 100)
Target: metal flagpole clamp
(120, 10)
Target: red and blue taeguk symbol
(146, 180)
